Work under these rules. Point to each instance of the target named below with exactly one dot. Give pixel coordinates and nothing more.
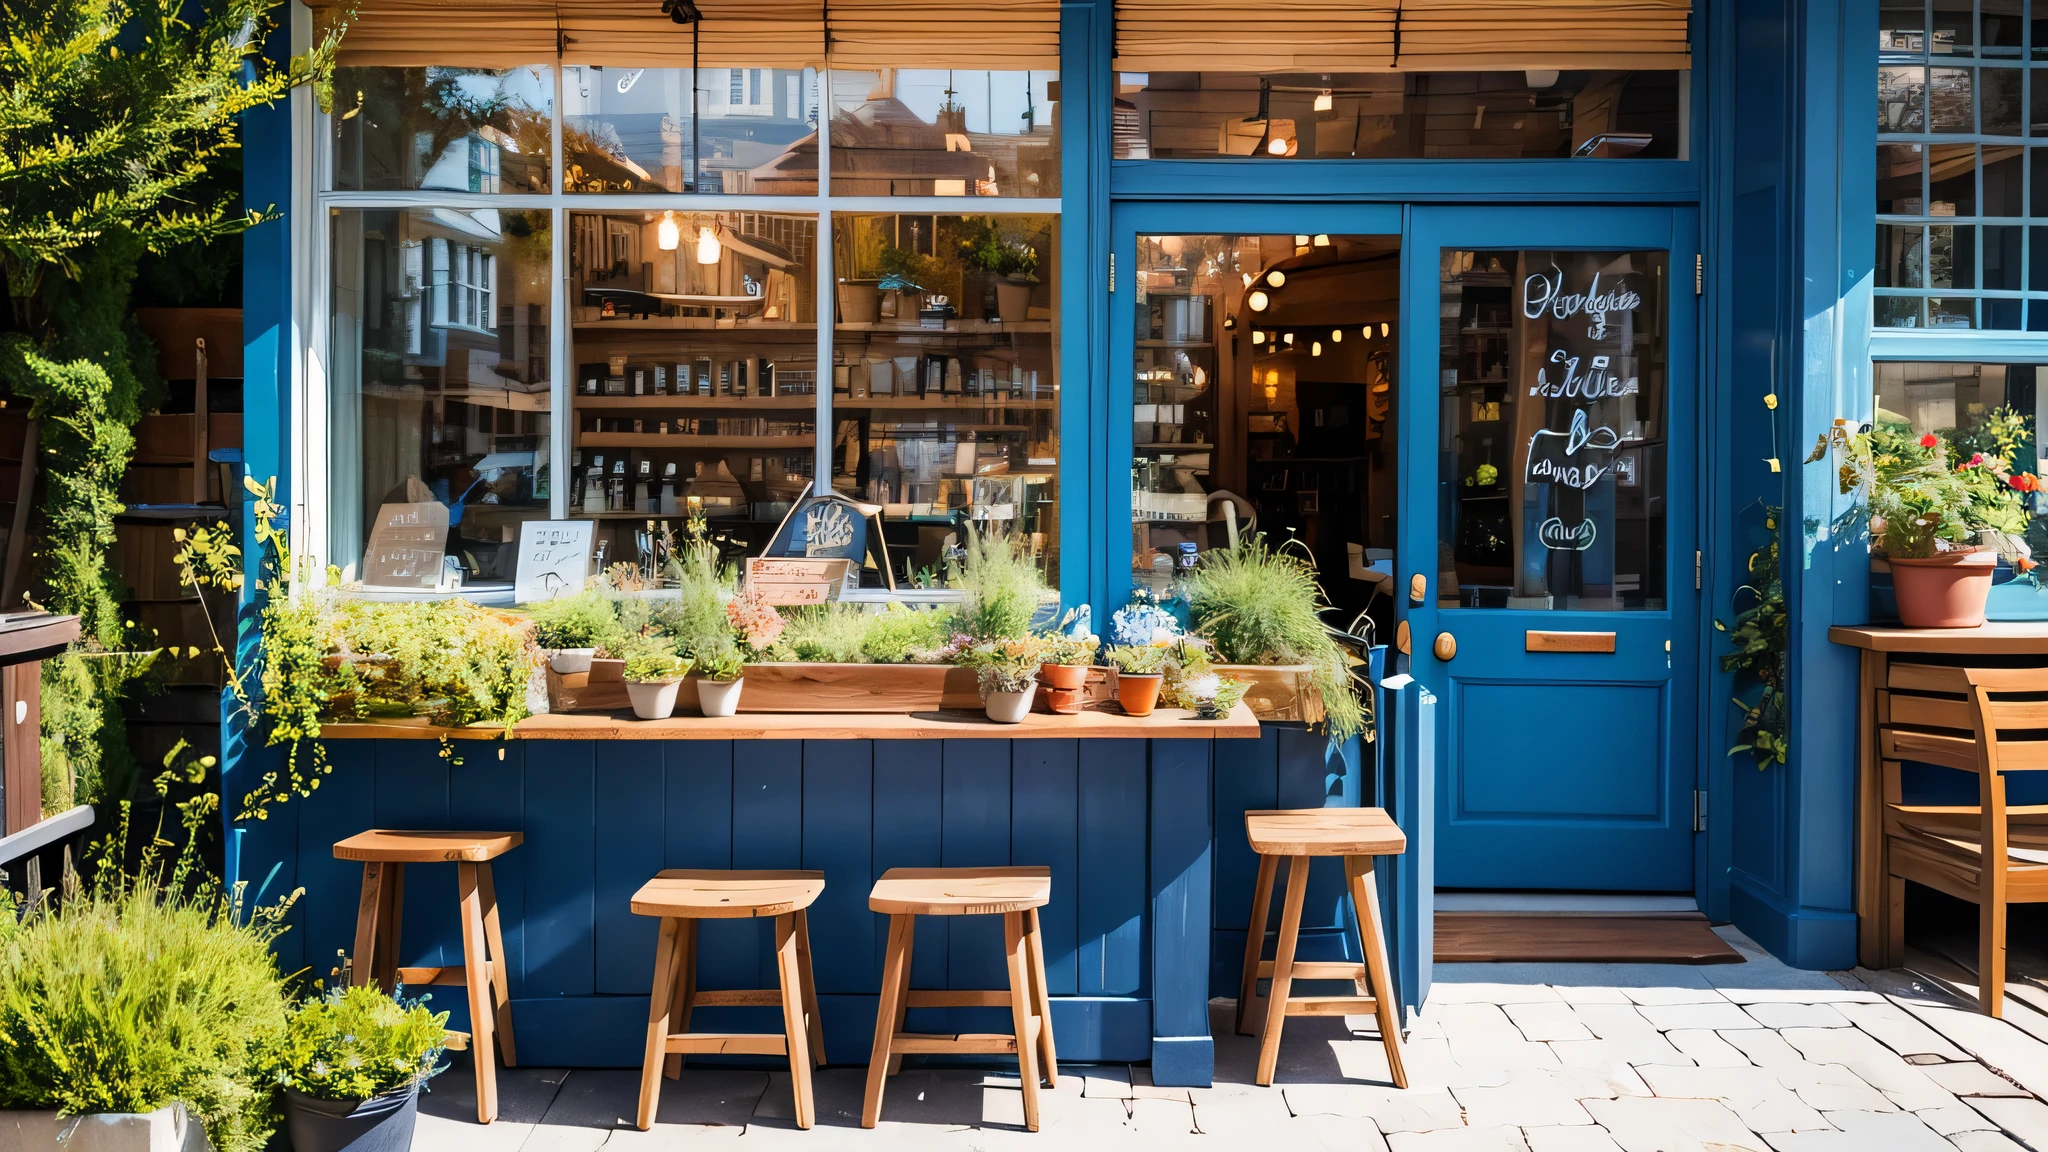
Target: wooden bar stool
(1015, 893)
(683, 896)
(1358, 835)
(384, 854)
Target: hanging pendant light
(1326, 101)
(1258, 300)
(1385, 328)
(708, 247)
(1276, 278)
(1316, 348)
(1336, 335)
(667, 234)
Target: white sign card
(554, 558)
(407, 545)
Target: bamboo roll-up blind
(1242, 36)
(1007, 35)
(455, 33)
(735, 34)
(1399, 35)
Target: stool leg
(789, 971)
(1020, 1014)
(803, 959)
(368, 910)
(1372, 944)
(903, 992)
(1255, 943)
(1283, 970)
(501, 980)
(1041, 1003)
(657, 1023)
(478, 979)
(391, 928)
(895, 974)
(682, 992)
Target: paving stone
(1429, 1065)
(1526, 1099)
(1992, 1041)
(1907, 1086)
(1592, 994)
(1985, 1142)
(1757, 1098)
(1951, 1120)
(1227, 1112)
(446, 1134)
(1897, 1030)
(1392, 1109)
(1831, 1088)
(524, 1094)
(1481, 1035)
(1459, 1140)
(1487, 992)
(1660, 1125)
(2026, 1118)
(1711, 1015)
(1865, 1132)
(1619, 1053)
(1571, 1138)
(1797, 1016)
(840, 1095)
(1106, 1082)
(1548, 1021)
(1665, 995)
(1614, 1021)
(1313, 1134)
(1706, 1047)
(1765, 1048)
(1970, 1078)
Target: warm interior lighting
(1367, 333)
(1301, 241)
(708, 247)
(1277, 146)
(1322, 240)
(1272, 392)
(1258, 337)
(1384, 329)
(1540, 78)
(1257, 301)
(1229, 323)
(1173, 246)
(1289, 338)
(1336, 335)
(1316, 349)
(1326, 102)
(667, 234)
(1276, 278)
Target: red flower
(2024, 565)
(1929, 440)
(1976, 459)
(2024, 482)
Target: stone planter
(168, 1129)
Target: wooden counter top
(1165, 724)
(1994, 638)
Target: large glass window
(1962, 165)
(452, 129)
(945, 132)
(1994, 409)
(439, 390)
(1438, 115)
(633, 130)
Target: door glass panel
(1552, 392)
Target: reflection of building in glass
(630, 129)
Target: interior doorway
(1264, 391)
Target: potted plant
(653, 674)
(1064, 661)
(1011, 261)
(1941, 524)
(719, 681)
(574, 629)
(351, 1068)
(1140, 669)
(1007, 671)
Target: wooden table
(2009, 643)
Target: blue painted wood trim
(1181, 865)
(1408, 883)
(1087, 518)
(268, 346)
(1994, 347)
(1442, 181)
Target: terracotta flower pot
(1946, 590)
(1010, 707)
(1067, 676)
(1013, 300)
(1138, 693)
(1063, 701)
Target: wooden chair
(1014, 893)
(682, 897)
(1988, 722)
(384, 854)
(1299, 835)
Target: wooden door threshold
(1654, 938)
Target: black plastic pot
(379, 1124)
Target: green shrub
(448, 659)
(901, 635)
(355, 1043)
(1137, 659)
(696, 617)
(585, 619)
(1262, 605)
(132, 996)
(723, 665)
(1073, 651)
(653, 659)
(826, 634)
(1003, 585)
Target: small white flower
(1205, 687)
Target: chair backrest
(2011, 706)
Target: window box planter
(1278, 691)
(789, 688)
(168, 1129)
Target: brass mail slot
(1533, 641)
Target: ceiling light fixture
(1258, 300)
(1276, 278)
(1322, 240)
(1289, 338)
(1258, 337)
(1325, 101)
(708, 247)
(1316, 349)
(1336, 335)
(1385, 328)
(667, 235)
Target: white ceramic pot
(653, 699)
(570, 661)
(719, 697)
(168, 1129)
(1010, 707)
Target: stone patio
(1532, 1058)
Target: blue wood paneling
(561, 873)
(1113, 776)
(412, 792)
(767, 832)
(487, 791)
(1181, 865)
(631, 803)
(330, 815)
(1044, 798)
(838, 840)
(909, 789)
(975, 830)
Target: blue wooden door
(1548, 501)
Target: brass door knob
(1418, 588)
(1446, 646)
(1401, 638)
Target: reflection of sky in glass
(532, 88)
(995, 101)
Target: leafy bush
(585, 619)
(1073, 651)
(697, 616)
(355, 1043)
(901, 635)
(1137, 659)
(653, 660)
(1003, 665)
(1003, 585)
(825, 634)
(134, 994)
(726, 665)
(448, 659)
(1262, 605)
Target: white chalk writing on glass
(1597, 382)
(825, 527)
(1555, 535)
(1544, 292)
(1549, 460)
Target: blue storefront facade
(1776, 292)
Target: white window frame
(313, 264)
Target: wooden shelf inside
(735, 403)
(1164, 724)
(952, 328)
(681, 442)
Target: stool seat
(712, 894)
(391, 846)
(961, 891)
(1325, 832)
